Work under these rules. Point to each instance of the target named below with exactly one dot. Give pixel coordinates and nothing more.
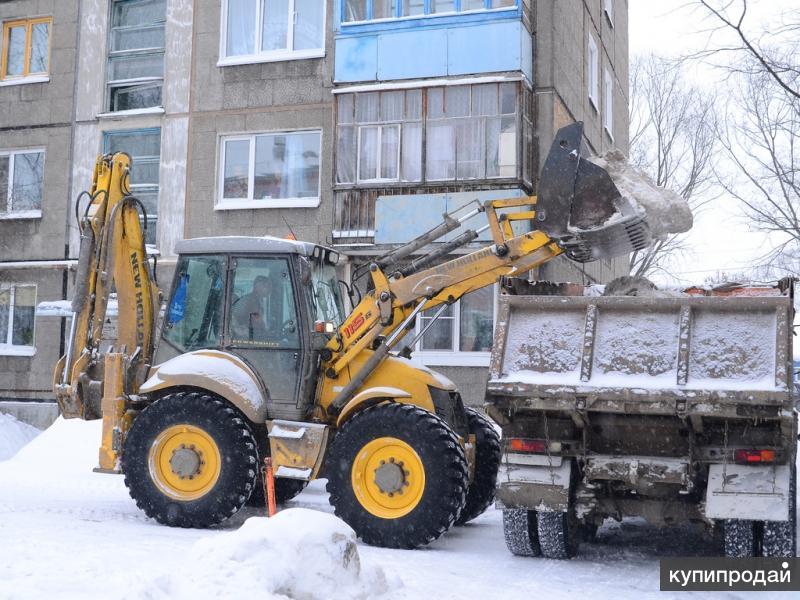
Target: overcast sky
(720, 239)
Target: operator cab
(261, 299)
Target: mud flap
(748, 492)
(529, 481)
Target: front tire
(397, 475)
(487, 461)
(190, 460)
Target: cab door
(263, 327)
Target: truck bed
(715, 356)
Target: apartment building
(355, 123)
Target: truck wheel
(780, 537)
(520, 531)
(739, 538)
(190, 460)
(558, 534)
(397, 475)
(487, 461)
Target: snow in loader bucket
(602, 207)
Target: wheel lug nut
(383, 462)
(406, 473)
(391, 495)
(406, 483)
(391, 460)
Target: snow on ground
(70, 533)
(14, 435)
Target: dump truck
(257, 357)
(669, 406)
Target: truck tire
(190, 460)
(739, 538)
(397, 475)
(520, 531)
(487, 461)
(558, 534)
(779, 538)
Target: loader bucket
(580, 206)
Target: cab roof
(246, 244)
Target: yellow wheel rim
(388, 478)
(184, 462)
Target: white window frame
(592, 70)
(250, 202)
(261, 56)
(7, 348)
(608, 8)
(454, 357)
(20, 214)
(380, 127)
(426, 15)
(112, 84)
(608, 103)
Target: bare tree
(761, 137)
(673, 139)
(772, 52)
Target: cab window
(194, 313)
(262, 311)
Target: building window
(21, 183)
(608, 8)
(136, 54)
(353, 11)
(144, 148)
(17, 307)
(270, 170)
(467, 132)
(462, 335)
(592, 70)
(608, 103)
(273, 29)
(380, 136)
(26, 49)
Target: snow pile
(298, 553)
(14, 435)
(666, 211)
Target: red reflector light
(520, 445)
(754, 456)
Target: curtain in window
(346, 154)
(368, 153)
(440, 157)
(383, 9)
(411, 152)
(440, 6)
(440, 335)
(470, 146)
(241, 33)
(390, 148)
(26, 189)
(368, 107)
(472, 5)
(413, 7)
(276, 23)
(309, 26)
(287, 166)
(355, 10)
(477, 311)
(501, 158)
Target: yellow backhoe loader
(254, 356)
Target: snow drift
(14, 435)
(298, 553)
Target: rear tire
(426, 474)
(558, 534)
(780, 537)
(521, 531)
(183, 439)
(739, 538)
(487, 461)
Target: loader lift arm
(579, 211)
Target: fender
(368, 397)
(218, 372)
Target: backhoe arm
(112, 256)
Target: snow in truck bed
(70, 533)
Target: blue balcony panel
(473, 49)
(424, 211)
